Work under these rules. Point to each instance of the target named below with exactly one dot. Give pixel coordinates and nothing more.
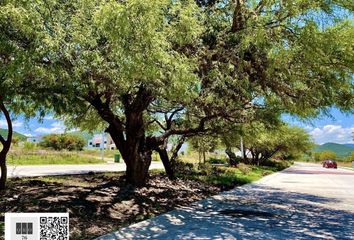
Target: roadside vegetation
(45, 157)
(319, 157)
(101, 203)
(227, 177)
(219, 76)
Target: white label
(36, 226)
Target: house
(36, 139)
(96, 142)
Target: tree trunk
(169, 168)
(137, 171)
(5, 146)
(170, 162)
(232, 157)
(3, 170)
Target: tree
(16, 37)
(203, 144)
(150, 70)
(263, 143)
(63, 141)
(325, 155)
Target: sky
(337, 128)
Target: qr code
(54, 228)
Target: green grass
(2, 229)
(50, 158)
(111, 153)
(231, 176)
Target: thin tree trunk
(170, 171)
(6, 146)
(170, 162)
(232, 157)
(3, 171)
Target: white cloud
(332, 133)
(15, 124)
(49, 117)
(56, 127)
(44, 130)
(308, 128)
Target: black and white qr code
(54, 228)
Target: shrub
(213, 160)
(184, 168)
(29, 146)
(325, 155)
(63, 141)
(245, 169)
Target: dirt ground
(100, 203)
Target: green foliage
(111, 63)
(227, 177)
(262, 142)
(214, 160)
(63, 142)
(15, 140)
(281, 59)
(325, 155)
(29, 146)
(203, 143)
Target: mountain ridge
(342, 150)
(3, 132)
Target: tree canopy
(284, 141)
(148, 70)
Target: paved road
(301, 202)
(47, 170)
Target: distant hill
(349, 145)
(342, 150)
(20, 136)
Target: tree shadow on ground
(267, 213)
(99, 204)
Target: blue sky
(337, 129)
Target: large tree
(148, 70)
(17, 37)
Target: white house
(36, 139)
(96, 142)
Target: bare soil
(100, 203)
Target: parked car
(329, 164)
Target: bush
(63, 142)
(325, 155)
(29, 146)
(184, 168)
(213, 160)
(245, 169)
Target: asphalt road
(305, 201)
(47, 170)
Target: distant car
(329, 164)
